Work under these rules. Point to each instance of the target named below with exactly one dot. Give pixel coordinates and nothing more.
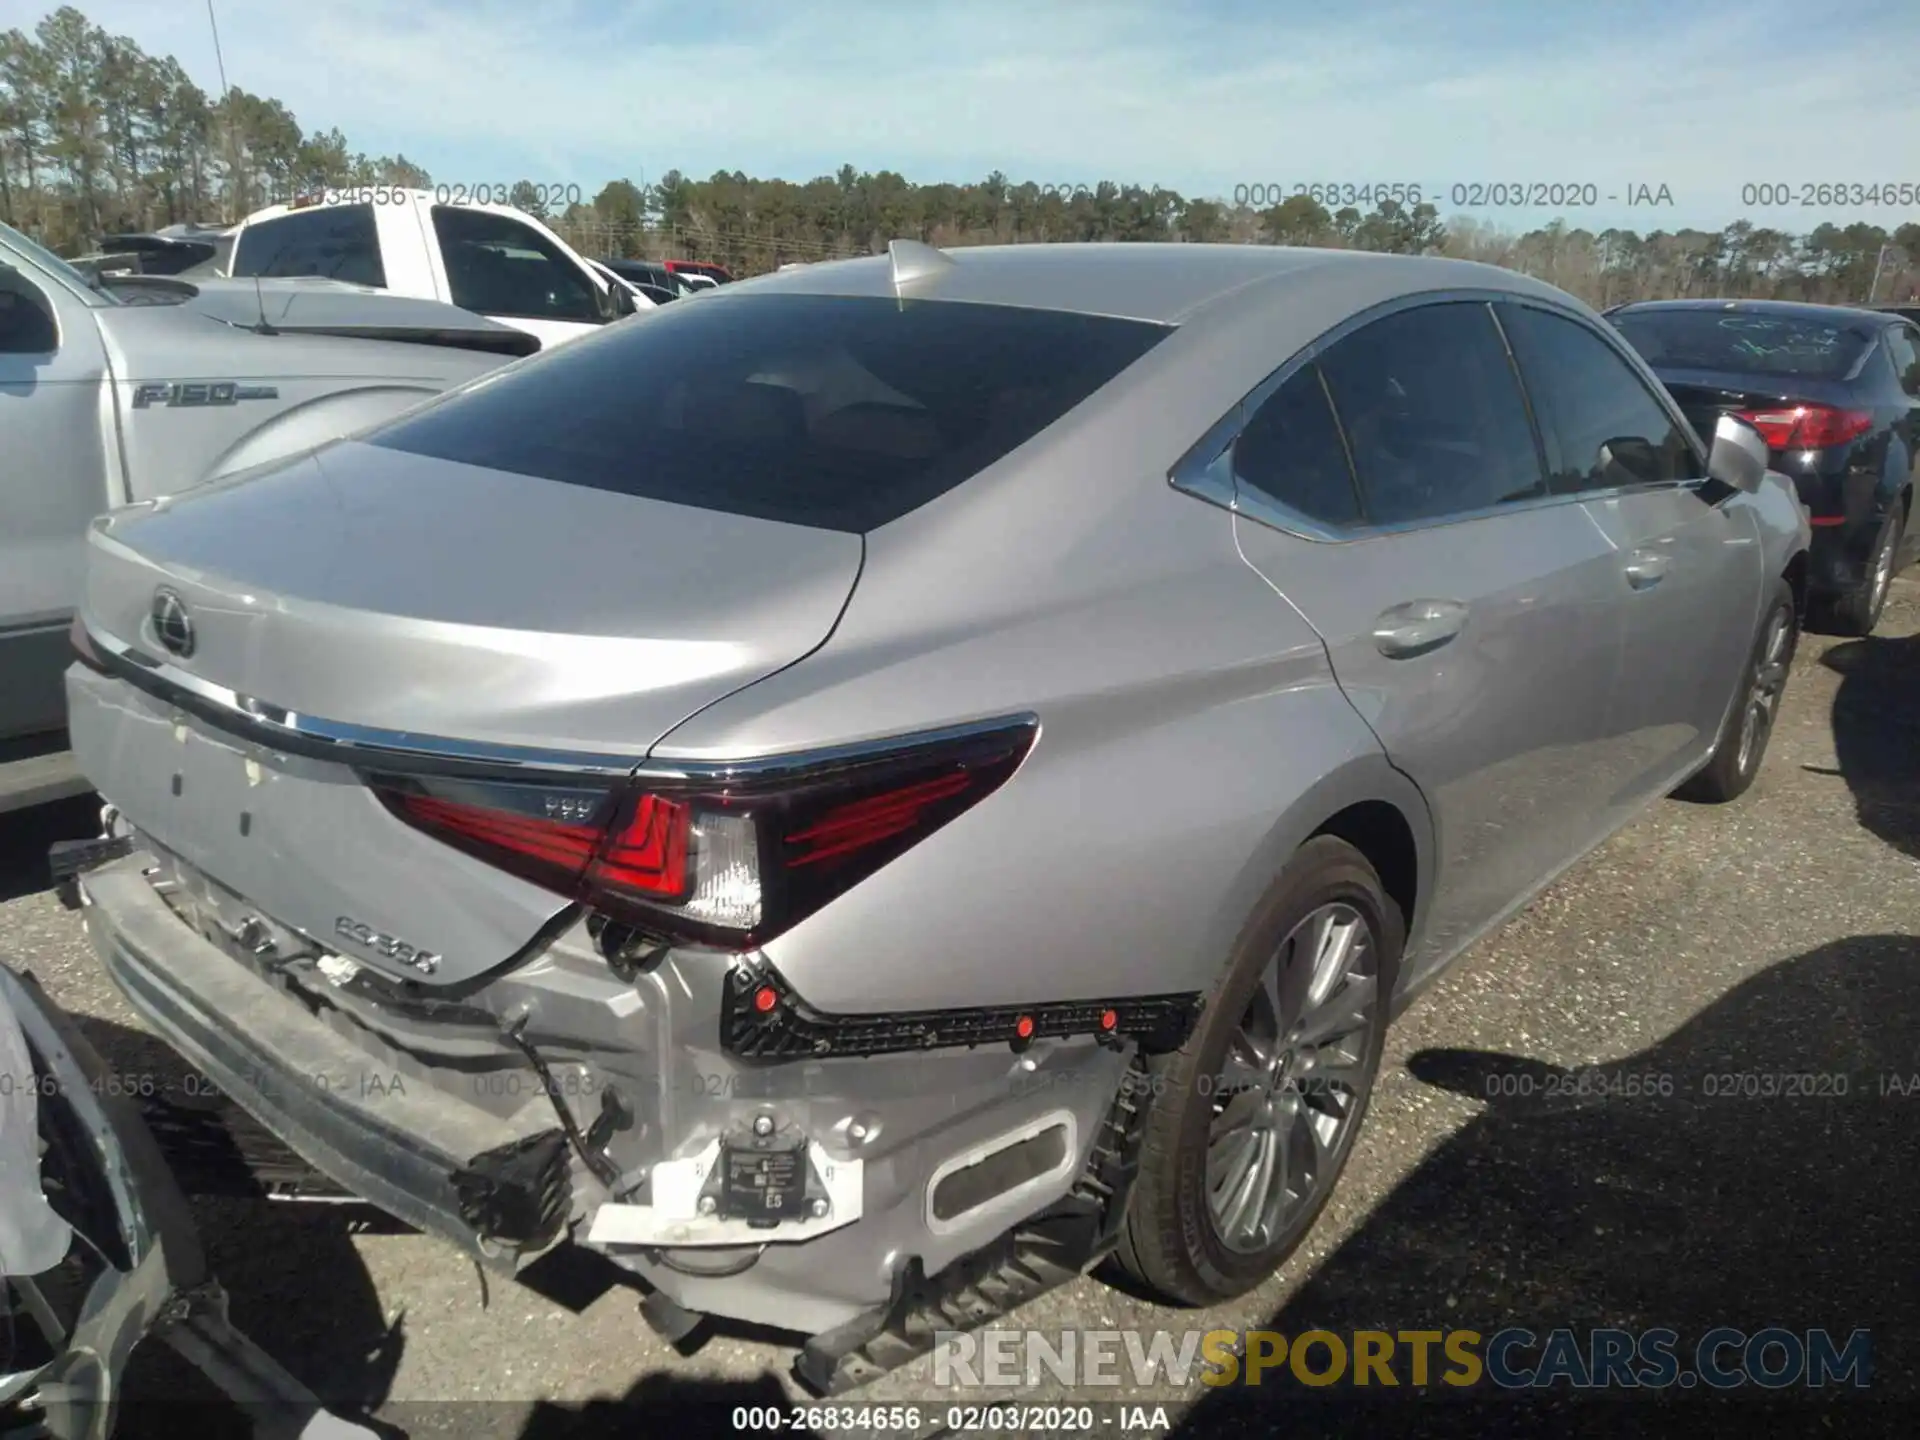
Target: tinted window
(1291, 450)
(26, 322)
(1903, 348)
(498, 266)
(1433, 414)
(1744, 342)
(1603, 425)
(338, 242)
(833, 411)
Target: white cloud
(1069, 91)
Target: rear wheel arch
(1796, 577)
(1379, 831)
(1366, 802)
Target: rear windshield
(336, 242)
(1744, 342)
(839, 412)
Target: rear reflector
(727, 863)
(1807, 427)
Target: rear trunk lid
(370, 587)
(1705, 395)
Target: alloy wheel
(1295, 1078)
(1763, 695)
(1883, 570)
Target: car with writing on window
(491, 259)
(1836, 393)
(954, 785)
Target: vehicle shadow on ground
(26, 835)
(661, 1404)
(1666, 1190)
(1876, 733)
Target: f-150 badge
(217, 392)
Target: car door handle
(1417, 627)
(1646, 569)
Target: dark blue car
(1836, 393)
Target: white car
(491, 259)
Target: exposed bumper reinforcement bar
(501, 1189)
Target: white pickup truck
(490, 259)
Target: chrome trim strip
(1205, 471)
(764, 767)
(409, 752)
(314, 736)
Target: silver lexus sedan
(862, 796)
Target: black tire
(1858, 610)
(1734, 765)
(1171, 1242)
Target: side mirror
(616, 302)
(1739, 455)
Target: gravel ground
(1774, 936)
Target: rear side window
(1744, 342)
(1903, 349)
(338, 242)
(1433, 415)
(1290, 450)
(840, 412)
(1603, 425)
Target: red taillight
(647, 852)
(1807, 427)
(567, 846)
(730, 864)
(867, 822)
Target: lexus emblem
(171, 623)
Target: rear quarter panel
(1192, 734)
(1781, 519)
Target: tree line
(97, 137)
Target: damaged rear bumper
(500, 1188)
(638, 1110)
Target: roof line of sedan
(1164, 283)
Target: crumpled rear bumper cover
(501, 1189)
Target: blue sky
(1703, 98)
